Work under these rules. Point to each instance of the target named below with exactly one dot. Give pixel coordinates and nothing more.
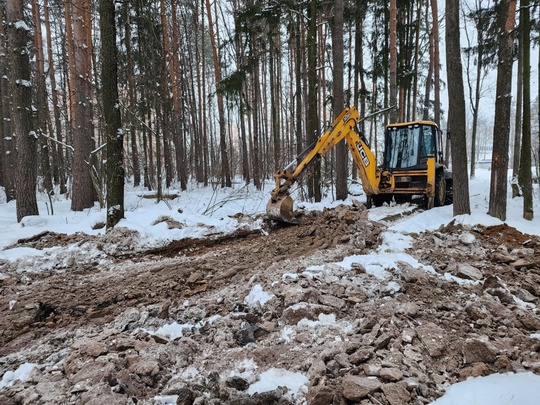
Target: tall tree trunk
(7, 141)
(177, 85)
(83, 142)
(314, 185)
(276, 138)
(456, 114)
(70, 64)
(59, 161)
(338, 97)
(525, 176)
(479, 67)
(393, 61)
(274, 96)
(429, 78)
(298, 85)
(111, 113)
(225, 168)
(518, 128)
(166, 101)
(360, 91)
(206, 146)
(132, 97)
(501, 127)
(42, 109)
(199, 117)
(18, 33)
(3, 98)
(436, 63)
(414, 106)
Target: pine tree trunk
(518, 128)
(525, 176)
(83, 141)
(501, 127)
(132, 97)
(479, 67)
(111, 114)
(199, 119)
(393, 61)
(255, 130)
(41, 103)
(298, 86)
(8, 151)
(456, 114)
(339, 103)
(166, 101)
(274, 95)
(416, 60)
(58, 162)
(436, 64)
(177, 87)
(314, 184)
(18, 33)
(225, 168)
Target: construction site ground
(89, 322)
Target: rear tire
(449, 192)
(440, 189)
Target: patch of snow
(245, 369)
(22, 373)
(172, 331)
(21, 25)
(165, 399)
(287, 334)
(323, 320)
(273, 378)
(257, 296)
(459, 280)
(495, 389)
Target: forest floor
(90, 324)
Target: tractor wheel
(449, 192)
(440, 189)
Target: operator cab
(409, 145)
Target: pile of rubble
(340, 332)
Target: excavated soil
(89, 321)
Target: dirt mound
(200, 321)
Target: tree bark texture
(525, 175)
(501, 127)
(83, 141)
(456, 114)
(111, 114)
(312, 127)
(42, 111)
(7, 148)
(18, 33)
(393, 61)
(225, 167)
(342, 158)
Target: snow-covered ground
(201, 212)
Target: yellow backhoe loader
(412, 165)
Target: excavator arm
(280, 206)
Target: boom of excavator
(413, 165)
